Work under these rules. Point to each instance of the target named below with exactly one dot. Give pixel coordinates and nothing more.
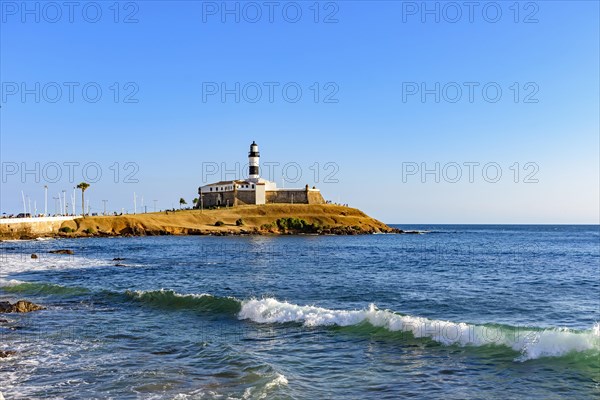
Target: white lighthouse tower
(253, 162)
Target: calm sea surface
(458, 312)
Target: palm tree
(181, 202)
(83, 186)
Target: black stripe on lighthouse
(253, 170)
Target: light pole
(73, 203)
(64, 202)
(45, 200)
(24, 206)
(104, 201)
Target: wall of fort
(315, 197)
(295, 196)
(213, 199)
(245, 197)
(282, 196)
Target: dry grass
(196, 221)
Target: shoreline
(271, 219)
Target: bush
(66, 229)
(89, 231)
(281, 223)
(239, 222)
(219, 223)
(296, 224)
(266, 227)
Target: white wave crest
(263, 393)
(10, 282)
(280, 380)
(139, 294)
(531, 343)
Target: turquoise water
(456, 312)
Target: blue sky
(368, 127)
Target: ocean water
(456, 312)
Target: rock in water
(5, 354)
(20, 306)
(61, 251)
(23, 306)
(34, 255)
(5, 306)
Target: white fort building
(254, 189)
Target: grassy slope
(196, 221)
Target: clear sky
(388, 89)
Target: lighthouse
(253, 161)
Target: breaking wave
(531, 343)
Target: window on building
(252, 186)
